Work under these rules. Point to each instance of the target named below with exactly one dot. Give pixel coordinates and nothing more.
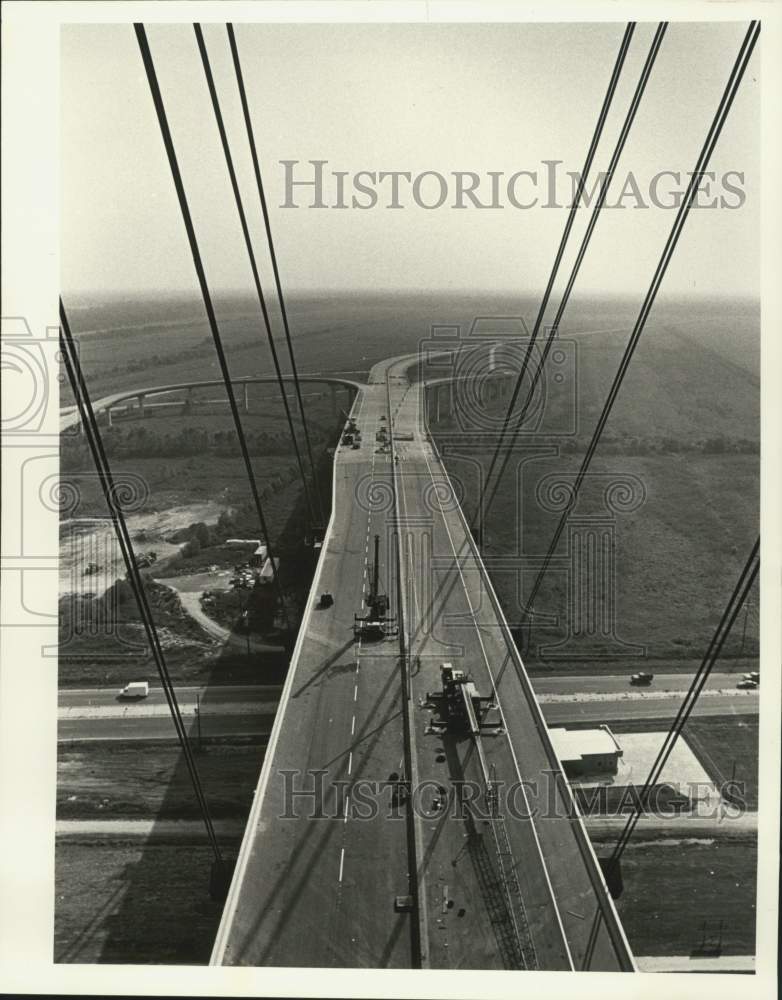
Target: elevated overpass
(335, 868)
(69, 417)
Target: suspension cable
(111, 495)
(710, 142)
(273, 255)
(250, 253)
(737, 598)
(157, 99)
(603, 193)
(596, 135)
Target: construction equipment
(462, 711)
(460, 707)
(377, 623)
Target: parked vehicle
(326, 600)
(135, 689)
(641, 679)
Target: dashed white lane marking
(355, 692)
(347, 808)
(350, 762)
(353, 726)
(341, 862)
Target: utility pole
(246, 622)
(744, 628)
(198, 718)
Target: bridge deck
(519, 890)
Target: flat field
(666, 516)
(113, 780)
(676, 891)
(130, 902)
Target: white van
(136, 689)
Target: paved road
(245, 711)
(598, 683)
(70, 418)
(562, 919)
(321, 892)
(210, 696)
(576, 684)
(162, 728)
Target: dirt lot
(110, 780)
(133, 902)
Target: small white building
(259, 556)
(267, 573)
(586, 753)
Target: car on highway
(747, 683)
(753, 675)
(135, 689)
(641, 679)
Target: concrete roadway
(320, 891)
(571, 684)
(566, 914)
(69, 416)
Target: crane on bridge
(376, 623)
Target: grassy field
(673, 491)
(728, 748)
(113, 780)
(673, 888)
(133, 902)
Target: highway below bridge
(338, 869)
(99, 714)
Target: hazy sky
(398, 98)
